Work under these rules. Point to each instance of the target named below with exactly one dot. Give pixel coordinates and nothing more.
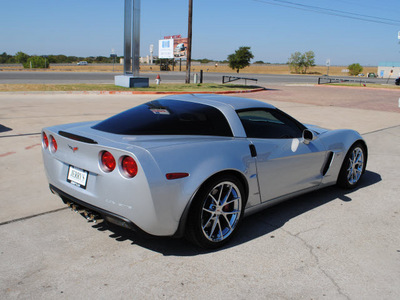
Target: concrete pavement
(330, 244)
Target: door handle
(253, 150)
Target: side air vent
(77, 137)
(327, 164)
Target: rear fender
(202, 161)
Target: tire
(353, 166)
(216, 212)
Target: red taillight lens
(108, 161)
(45, 140)
(53, 144)
(129, 166)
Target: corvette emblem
(73, 148)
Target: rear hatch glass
(168, 117)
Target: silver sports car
(195, 165)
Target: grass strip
(111, 87)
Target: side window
(269, 124)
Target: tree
(300, 63)
(6, 58)
(21, 57)
(240, 59)
(308, 60)
(204, 60)
(295, 62)
(355, 69)
(36, 62)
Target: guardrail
(226, 79)
(325, 80)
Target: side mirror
(308, 136)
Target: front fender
(338, 142)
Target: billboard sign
(180, 47)
(166, 48)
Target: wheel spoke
(213, 199)
(227, 221)
(233, 212)
(208, 221)
(221, 235)
(226, 197)
(235, 200)
(209, 211)
(216, 221)
(220, 193)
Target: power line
(375, 7)
(332, 12)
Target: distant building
(147, 60)
(389, 69)
(142, 60)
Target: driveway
(330, 244)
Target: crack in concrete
(312, 254)
(32, 216)
(379, 130)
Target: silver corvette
(195, 165)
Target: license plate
(77, 177)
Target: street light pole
(189, 48)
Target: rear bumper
(104, 214)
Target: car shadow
(260, 224)
(4, 128)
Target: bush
(355, 69)
(36, 62)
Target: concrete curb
(358, 87)
(135, 92)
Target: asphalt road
(330, 244)
(12, 77)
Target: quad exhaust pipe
(73, 207)
(90, 216)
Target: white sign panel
(166, 48)
(328, 62)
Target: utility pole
(189, 48)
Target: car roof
(219, 101)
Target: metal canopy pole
(127, 37)
(136, 37)
(131, 48)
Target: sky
(343, 31)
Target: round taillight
(45, 140)
(53, 144)
(108, 161)
(129, 166)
